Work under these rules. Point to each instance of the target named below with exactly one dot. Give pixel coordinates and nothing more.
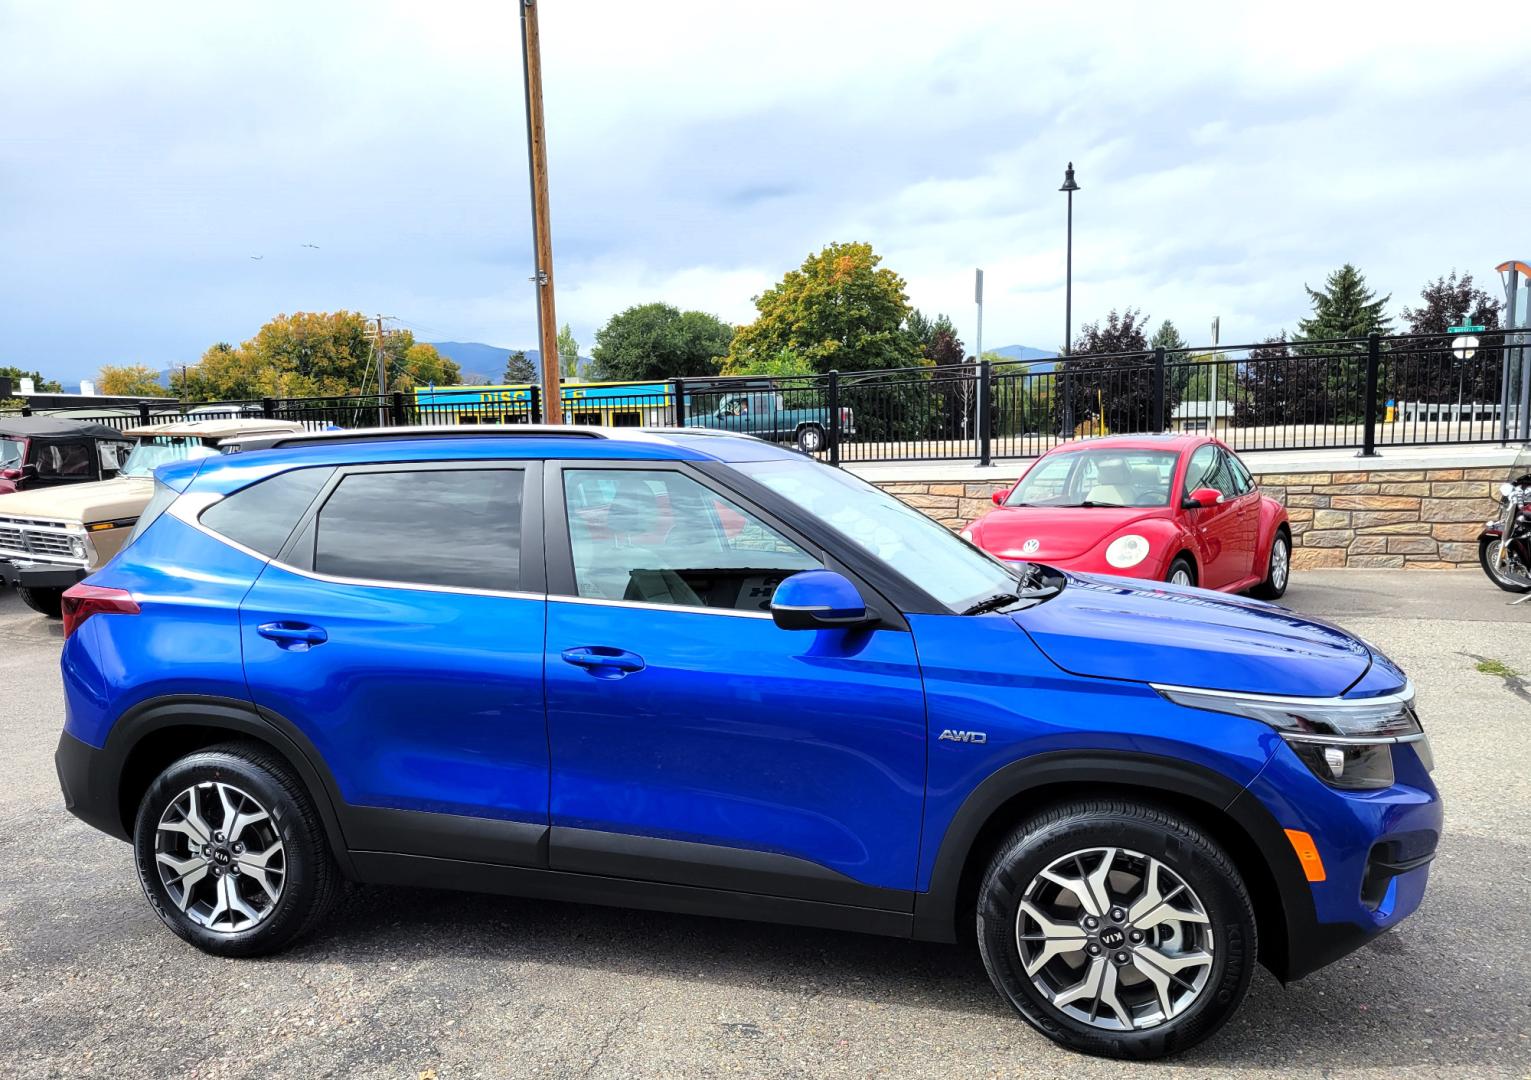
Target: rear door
(401, 629)
(695, 742)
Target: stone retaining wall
(1420, 519)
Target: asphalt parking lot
(420, 983)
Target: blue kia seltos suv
(704, 674)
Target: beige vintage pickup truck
(52, 537)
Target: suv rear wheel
(231, 852)
(49, 602)
(1116, 928)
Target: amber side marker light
(1307, 854)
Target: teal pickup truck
(761, 413)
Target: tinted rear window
(262, 516)
(451, 527)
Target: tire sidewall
(1273, 590)
(1210, 876)
(292, 906)
(1181, 561)
(48, 601)
(810, 440)
(1486, 544)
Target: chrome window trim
(650, 606)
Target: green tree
(1344, 308)
(519, 369)
(131, 380)
(1428, 370)
(839, 310)
(40, 384)
(568, 353)
(1107, 384)
(1168, 338)
(657, 341)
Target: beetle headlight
(1127, 551)
(1347, 742)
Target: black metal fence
(1361, 393)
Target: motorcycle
(1504, 546)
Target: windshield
(10, 453)
(925, 551)
(151, 453)
(1102, 477)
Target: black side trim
(446, 836)
(680, 862)
(414, 870)
(936, 911)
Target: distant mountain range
(1039, 359)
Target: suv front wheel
(231, 852)
(1116, 928)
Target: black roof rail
(444, 431)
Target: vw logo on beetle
(1030, 546)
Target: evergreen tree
(1344, 308)
(1168, 338)
(568, 353)
(519, 369)
(1107, 384)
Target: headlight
(966, 534)
(77, 546)
(1127, 551)
(1347, 742)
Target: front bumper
(1376, 848)
(38, 575)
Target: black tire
(810, 438)
(1270, 589)
(49, 602)
(310, 880)
(1486, 546)
(1134, 828)
(1182, 565)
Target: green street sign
(1465, 328)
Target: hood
(1124, 628)
(1061, 532)
(104, 500)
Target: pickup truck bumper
(25, 574)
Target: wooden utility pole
(382, 378)
(542, 238)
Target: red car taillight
(82, 601)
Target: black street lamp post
(1068, 301)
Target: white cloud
(1227, 154)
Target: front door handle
(293, 636)
(603, 661)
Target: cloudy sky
(1227, 154)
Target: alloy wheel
(220, 857)
(1180, 577)
(1114, 939)
(1281, 562)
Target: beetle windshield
(10, 453)
(159, 450)
(926, 552)
(1099, 477)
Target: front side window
(926, 552)
(659, 537)
(1243, 483)
(156, 450)
(1204, 470)
(457, 528)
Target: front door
(692, 740)
(1217, 527)
(407, 647)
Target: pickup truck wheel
(49, 602)
(810, 438)
(1116, 928)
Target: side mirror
(817, 600)
(1204, 497)
(1000, 496)
(10, 474)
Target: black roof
(49, 427)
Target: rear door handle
(295, 636)
(603, 661)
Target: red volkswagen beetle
(1178, 508)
